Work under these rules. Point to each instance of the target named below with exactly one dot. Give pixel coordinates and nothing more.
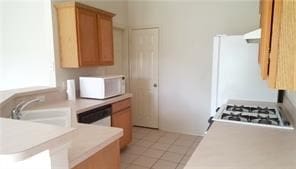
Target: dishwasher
(100, 116)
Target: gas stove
(266, 115)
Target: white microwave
(101, 87)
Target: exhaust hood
(253, 37)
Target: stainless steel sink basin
(58, 116)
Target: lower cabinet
(107, 158)
(122, 118)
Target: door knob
(154, 85)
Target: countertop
(31, 138)
(87, 139)
(80, 104)
(238, 146)
(22, 139)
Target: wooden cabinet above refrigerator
(277, 55)
(85, 35)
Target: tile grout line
(164, 151)
(132, 162)
(149, 148)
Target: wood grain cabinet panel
(281, 61)
(85, 35)
(266, 12)
(122, 118)
(106, 40)
(107, 158)
(121, 105)
(88, 42)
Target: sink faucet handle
(16, 112)
(19, 105)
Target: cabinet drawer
(121, 105)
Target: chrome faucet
(16, 113)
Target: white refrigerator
(236, 73)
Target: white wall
(186, 38)
(292, 97)
(1, 44)
(186, 32)
(118, 7)
(26, 44)
(27, 54)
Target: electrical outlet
(41, 98)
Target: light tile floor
(155, 149)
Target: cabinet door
(266, 10)
(105, 29)
(282, 59)
(88, 43)
(122, 119)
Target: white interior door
(144, 76)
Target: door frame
(130, 29)
(125, 48)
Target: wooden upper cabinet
(85, 35)
(88, 43)
(106, 39)
(266, 12)
(281, 72)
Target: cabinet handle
(154, 85)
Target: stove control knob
(286, 123)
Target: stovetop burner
(267, 120)
(242, 108)
(232, 116)
(252, 115)
(264, 110)
(237, 108)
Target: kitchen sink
(57, 116)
